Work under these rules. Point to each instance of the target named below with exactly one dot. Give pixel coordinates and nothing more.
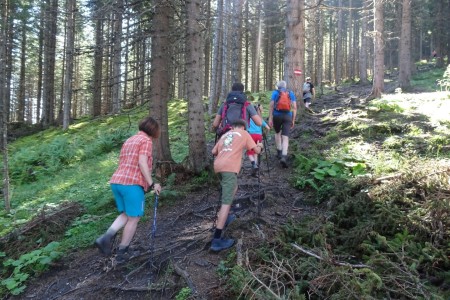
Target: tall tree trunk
(4, 10)
(117, 56)
(405, 47)
(198, 158)
(98, 61)
(378, 64)
(207, 42)
(215, 88)
(40, 63)
(160, 79)
(257, 52)
(339, 48)
(319, 21)
(21, 95)
(226, 40)
(236, 40)
(48, 101)
(294, 45)
(68, 76)
(363, 49)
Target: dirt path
(181, 255)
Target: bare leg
(129, 231)
(285, 144)
(222, 215)
(278, 140)
(118, 223)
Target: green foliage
(385, 106)
(324, 175)
(183, 294)
(27, 265)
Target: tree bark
(198, 158)
(117, 57)
(378, 64)
(160, 79)
(48, 101)
(294, 52)
(405, 47)
(98, 61)
(4, 10)
(215, 87)
(21, 94)
(363, 49)
(68, 75)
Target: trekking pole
(259, 188)
(152, 236)
(266, 149)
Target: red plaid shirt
(128, 172)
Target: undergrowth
(383, 177)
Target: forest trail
(184, 230)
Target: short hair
(281, 84)
(150, 126)
(239, 123)
(237, 87)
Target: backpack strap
(244, 111)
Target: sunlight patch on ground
(435, 105)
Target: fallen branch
(185, 275)
(338, 263)
(239, 251)
(389, 177)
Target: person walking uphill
(128, 184)
(235, 107)
(256, 132)
(308, 92)
(228, 152)
(282, 113)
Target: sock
(217, 233)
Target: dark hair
(239, 123)
(237, 87)
(150, 127)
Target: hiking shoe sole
(221, 244)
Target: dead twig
(338, 263)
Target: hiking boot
(125, 254)
(221, 244)
(104, 244)
(283, 161)
(278, 154)
(255, 169)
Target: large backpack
(283, 102)
(234, 108)
(306, 87)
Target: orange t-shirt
(229, 148)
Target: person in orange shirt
(129, 183)
(228, 151)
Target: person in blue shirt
(282, 121)
(256, 132)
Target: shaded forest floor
(181, 256)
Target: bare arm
(294, 113)
(257, 119)
(216, 122)
(145, 170)
(271, 113)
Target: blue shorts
(130, 199)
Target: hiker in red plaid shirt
(129, 183)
